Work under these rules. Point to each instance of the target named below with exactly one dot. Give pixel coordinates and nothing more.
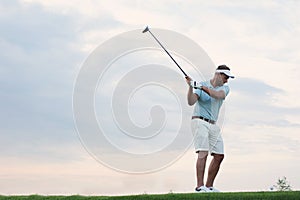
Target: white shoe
(201, 189)
(212, 189)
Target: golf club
(148, 30)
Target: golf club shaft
(168, 53)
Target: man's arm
(191, 97)
(213, 93)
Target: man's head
(223, 74)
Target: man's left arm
(217, 94)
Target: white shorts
(207, 137)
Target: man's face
(223, 78)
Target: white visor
(225, 71)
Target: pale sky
(45, 44)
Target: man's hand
(188, 80)
(191, 97)
(196, 85)
(192, 83)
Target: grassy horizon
(180, 196)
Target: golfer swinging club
(208, 97)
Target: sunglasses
(226, 77)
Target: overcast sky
(45, 45)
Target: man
(208, 98)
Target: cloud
(256, 121)
(260, 102)
(20, 26)
(38, 66)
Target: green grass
(198, 196)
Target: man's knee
(202, 154)
(218, 157)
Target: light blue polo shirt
(206, 106)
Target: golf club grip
(168, 54)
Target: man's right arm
(191, 96)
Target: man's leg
(200, 167)
(213, 169)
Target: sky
(70, 67)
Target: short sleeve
(198, 92)
(226, 89)
(203, 96)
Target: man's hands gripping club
(193, 97)
(193, 84)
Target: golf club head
(146, 29)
